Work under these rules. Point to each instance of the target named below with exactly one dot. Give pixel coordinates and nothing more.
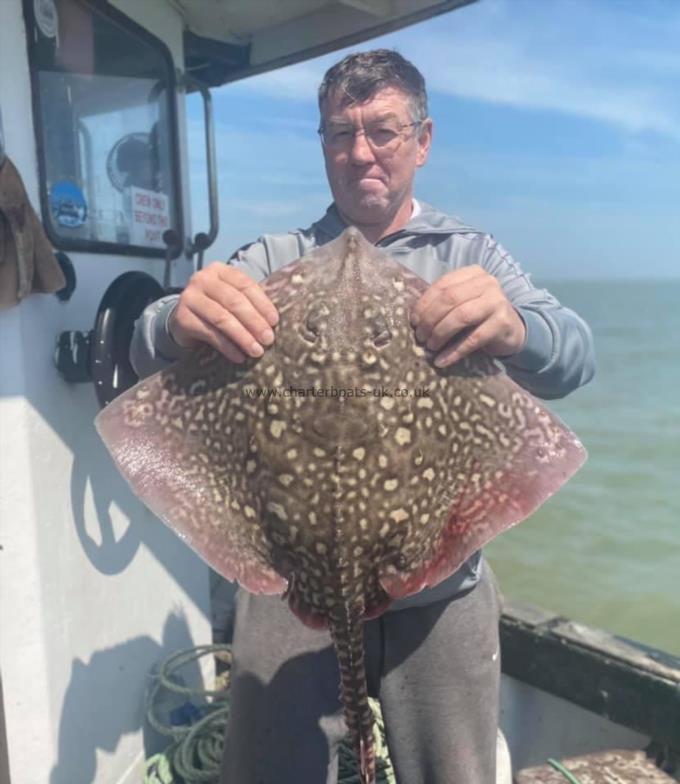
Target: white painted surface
(94, 590)
(538, 725)
(503, 760)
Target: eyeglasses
(384, 135)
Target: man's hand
(226, 308)
(468, 306)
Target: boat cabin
(94, 158)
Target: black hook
(173, 247)
(65, 294)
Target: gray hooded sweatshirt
(557, 356)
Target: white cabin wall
(94, 590)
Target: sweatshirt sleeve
(558, 355)
(152, 347)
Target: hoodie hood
(427, 221)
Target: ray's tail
(348, 636)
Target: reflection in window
(106, 129)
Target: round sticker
(46, 17)
(68, 204)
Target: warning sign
(150, 217)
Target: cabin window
(106, 128)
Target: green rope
(559, 767)
(195, 753)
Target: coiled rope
(198, 725)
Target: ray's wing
(507, 455)
(181, 439)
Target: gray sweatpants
(435, 669)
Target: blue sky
(557, 129)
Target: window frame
(98, 246)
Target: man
(432, 658)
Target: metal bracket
(202, 241)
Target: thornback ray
(342, 468)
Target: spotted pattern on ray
(347, 501)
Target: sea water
(605, 550)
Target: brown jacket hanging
(27, 263)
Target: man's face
(371, 181)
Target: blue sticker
(68, 204)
